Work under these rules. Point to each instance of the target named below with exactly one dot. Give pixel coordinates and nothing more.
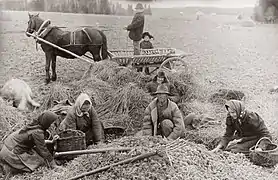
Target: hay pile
(183, 160)
(10, 118)
(57, 92)
(118, 93)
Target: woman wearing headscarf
(25, 149)
(243, 129)
(82, 116)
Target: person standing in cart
(136, 28)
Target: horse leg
(53, 67)
(95, 51)
(48, 57)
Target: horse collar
(43, 27)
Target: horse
(78, 42)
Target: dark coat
(172, 112)
(136, 27)
(252, 127)
(146, 45)
(89, 125)
(27, 149)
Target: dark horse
(79, 42)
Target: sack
(264, 153)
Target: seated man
(159, 79)
(243, 129)
(163, 117)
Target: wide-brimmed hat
(162, 89)
(139, 6)
(147, 34)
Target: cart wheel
(174, 64)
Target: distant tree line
(73, 6)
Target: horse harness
(73, 36)
(43, 31)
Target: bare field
(226, 54)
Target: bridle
(42, 29)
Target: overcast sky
(183, 3)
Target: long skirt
(26, 162)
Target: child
(145, 43)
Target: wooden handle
(139, 157)
(61, 49)
(258, 142)
(91, 151)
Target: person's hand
(216, 149)
(235, 141)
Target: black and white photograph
(139, 89)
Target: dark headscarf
(161, 74)
(43, 122)
(236, 106)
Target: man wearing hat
(161, 78)
(136, 28)
(163, 117)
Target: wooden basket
(71, 140)
(267, 157)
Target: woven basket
(267, 157)
(71, 140)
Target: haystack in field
(58, 92)
(10, 119)
(180, 159)
(128, 99)
(183, 82)
(97, 89)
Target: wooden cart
(167, 58)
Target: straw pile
(10, 118)
(57, 92)
(129, 100)
(180, 159)
(118, 93)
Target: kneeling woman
(25, 149)
(82, 116)
(243, 129)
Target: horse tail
(104, 48)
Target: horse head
(34, 23)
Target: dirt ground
(226, 54)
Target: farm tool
(91, 151)
(160, 151)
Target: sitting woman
(82, 116)
(243, 129)
(25, 149)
